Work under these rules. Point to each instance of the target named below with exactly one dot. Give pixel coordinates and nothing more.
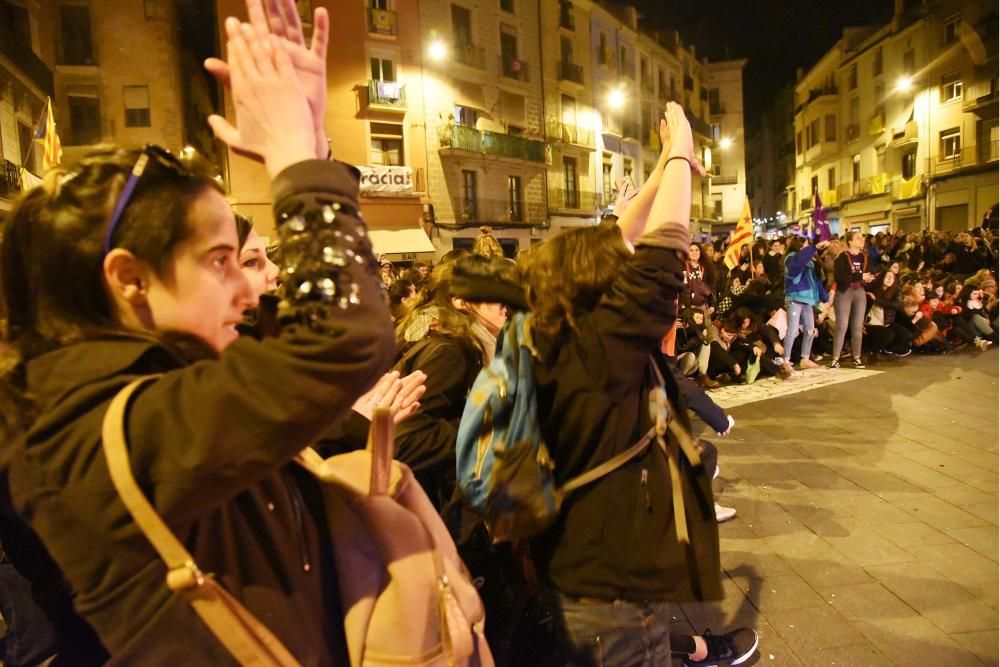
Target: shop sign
(384, 179)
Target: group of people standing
(131, 264)
(795, 302)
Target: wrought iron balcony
(473, 211)
(470, 55)
(570, 72)
(381, 21)
(574, 200)
(10, 179)
(390, 94)
(514, 68)
(570, 134)
(469, 139)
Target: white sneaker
(724, 513)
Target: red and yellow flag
(46, 133)
(741, 237)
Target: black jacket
(616, 539)
(210, 444)
(843, 274)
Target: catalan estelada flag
(46, 133)
(741, 237)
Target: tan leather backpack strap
(381, 445)
(245, 637)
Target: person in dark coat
(598, 313)
(104, 284)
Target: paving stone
(986, 511)
(961, 495)
(865, 546)
(858, 655)
(983, 539)
(982, 644)
(867, 601)
(808, 630)
(915, 641)
(940, 514)
(779, 593)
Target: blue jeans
(600, 633)
(799, 312)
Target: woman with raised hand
(803, 292)
(614, 559)
(128, 266)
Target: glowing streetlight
(725, 143)
(616, 98)
(904, 84)
(437, 50)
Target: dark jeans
(30, 638)
(599, 633)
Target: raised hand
(676, 137)
(273, 118)
(281, 19)
(400, 395)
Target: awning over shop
(405, 245)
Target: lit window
(386, 144)
(951, 87)
(136, 106)
(951, 144)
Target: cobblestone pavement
(866, 531)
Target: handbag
(406, 595)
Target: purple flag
(821, 228)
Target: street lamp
(725, 143)
(616, 99)
(437, 50)
(904, 84)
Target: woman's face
(856, 242)
(727, 336)
(746, 324)
(889, 280)
(698, 317)
(976, 295)
(259, 270)
(694, 252)
(919, 291)
(493, 315)
(938, 291)
(204, 292)
(894, 268)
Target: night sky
(775, 35)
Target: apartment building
(26, 80)
(771, 165)
(484, 120)
(111, 69)
(571, 120)
(896, 126)
(728, 188)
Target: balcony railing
(815, 94)
(25, 59)
(577, 200)
(570, 72)
(470, 55)
(968, 156)
(10, 179)
(981, 95)
(724, 178)
(472, 140)
(717, 109)
(906, 188)
(570, 134)
(381, 21)
(386, 94)
(698, 125)
(477, 210)
(630, 130)
(514, 68)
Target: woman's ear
(127, 277)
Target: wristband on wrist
(678, 157)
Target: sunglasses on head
(153, 153)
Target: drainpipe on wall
(541, 87)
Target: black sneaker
(732, 648)
(858, 363)
(835, 363)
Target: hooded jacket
(801, 283)
(211, 444)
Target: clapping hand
(273, 118)
(676, 138)
(281, 19)
(399, 395)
